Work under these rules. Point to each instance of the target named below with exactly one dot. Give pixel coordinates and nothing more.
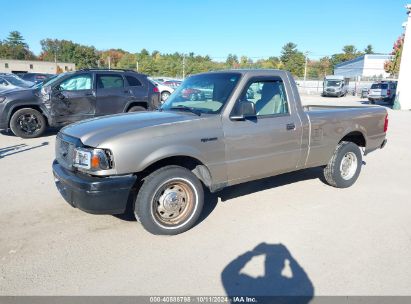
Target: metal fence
(355, 87)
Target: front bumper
(332, 93)
(97, 195)
(377, 97)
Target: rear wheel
(344, 166)
(170, 201)
(136, 109)
(28, 123)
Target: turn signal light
(95, 161)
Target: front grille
(64, 152)
(330, 90)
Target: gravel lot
(354, 241)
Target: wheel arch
(189, 162)
(26, 106)
(355, 136)
(143, 104)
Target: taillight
(388, 92)
(386, 123)
(155, 90)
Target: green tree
(292, 59)
(393, 66)
(14, 47)
(349, 52)
(114, 55)
(369, 49)
(16, 39)
(127, 61)
(232, 61)
(68, 51)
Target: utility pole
(109, 62)
(55, 58)
(137, 65)
(305, 70)
(184, 66)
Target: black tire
(164, 95)
(333, 173)
(28, 123)
(158, 201)
(136, 109)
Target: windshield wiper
(185, 108)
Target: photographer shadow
(284, 280)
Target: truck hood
(95, 131)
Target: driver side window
(76, 83)
(268, 96)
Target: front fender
(11, 107)
(169, 151)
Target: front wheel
(28, 123)
(170, 201)
(344, 166)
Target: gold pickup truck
(216, 130)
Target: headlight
(2, 98)
(86, 159)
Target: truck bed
(329, 122)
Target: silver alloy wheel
(173, 202)
(348, 165)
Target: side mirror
(245, 109)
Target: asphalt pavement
(289, 234)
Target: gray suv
(75, 96)
(385, 91)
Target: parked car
(9, 82)
(158, 162)
(335, 85)
(384, 91)
(74, 96)
(192, 94)
(35, 77)
(165, 91)
(172, 83)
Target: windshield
(333, 83)
(18, 82)
(205, 93)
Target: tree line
(156, 63)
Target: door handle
(290, 126)
(88, 94)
